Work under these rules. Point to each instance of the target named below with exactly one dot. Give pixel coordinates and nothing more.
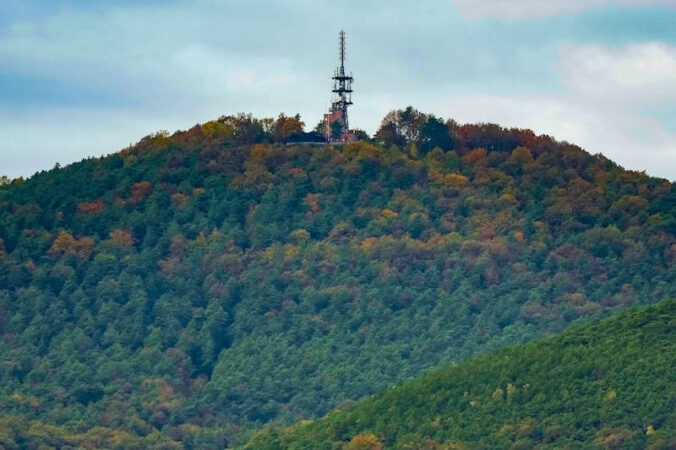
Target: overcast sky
(84, 78)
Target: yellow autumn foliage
(448, 180)
(216, 129)
(364, 441)
(610, 396)
(388, 214)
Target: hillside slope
(608, 384)
(205, 283)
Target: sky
(82, 78)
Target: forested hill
(195, 286)
(606, 385)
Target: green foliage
(411, 127)
(214, 279)
(336, 129)
(606, 384)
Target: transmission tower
(342, 86)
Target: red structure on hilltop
(336, 125)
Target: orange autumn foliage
(123, 238)
(312, 201)
(178, 199)
(140, 191)
(91, 207)
(475, 156)
(65, 243)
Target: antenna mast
(342, 50)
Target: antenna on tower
(342, 50)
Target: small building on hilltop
(336, 126)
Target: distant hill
(607, 384)
(196, 286)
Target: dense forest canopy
(600, 385)
(198, 285)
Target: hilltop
(196, 286)
(605, 384)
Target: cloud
(530, 9)
(279, 79)
(37, 139)
(634, 74)
(602, 109)
(243, 78)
